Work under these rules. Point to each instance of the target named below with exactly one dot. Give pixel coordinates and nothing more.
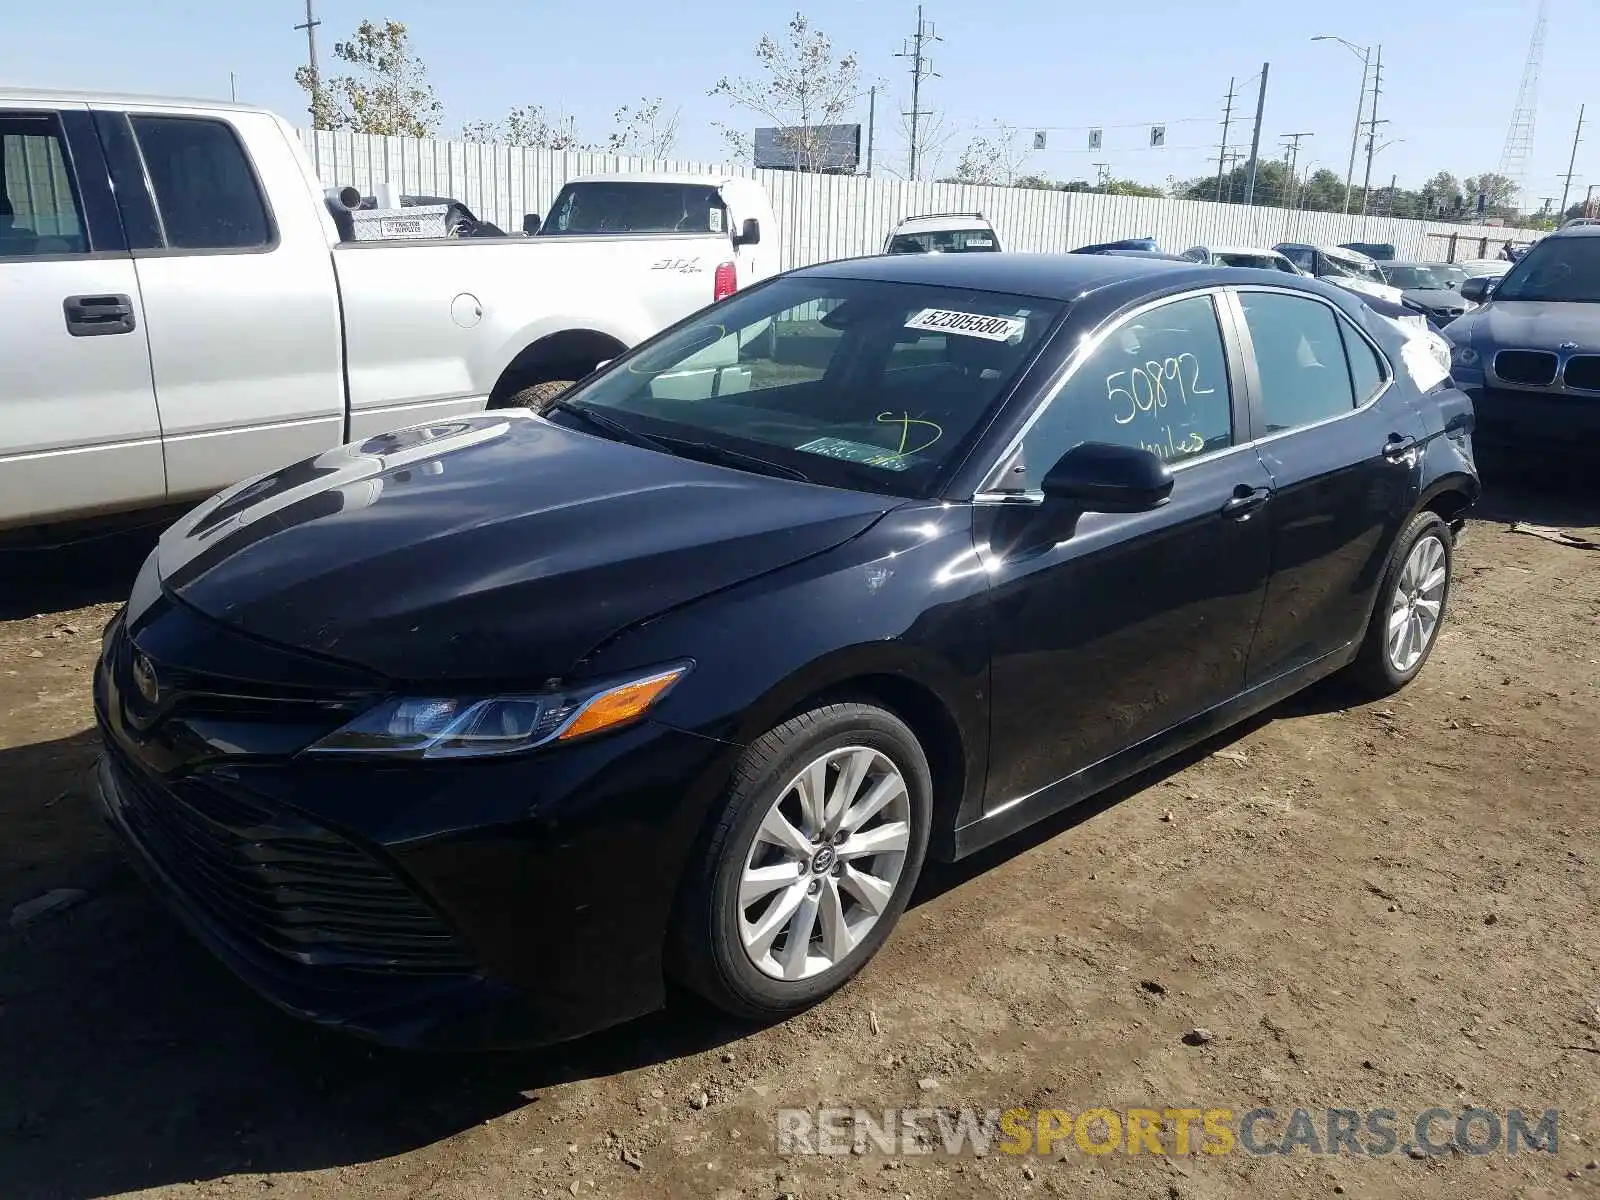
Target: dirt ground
(1382, 905)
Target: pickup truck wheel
(539, 396)
(815, 853)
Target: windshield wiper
(706, 452)
(612, 426)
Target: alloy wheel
(824, 863)
(1417, 604)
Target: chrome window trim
(1338, 315)
(1085, 349)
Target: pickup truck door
(241, 307)
(79, 432)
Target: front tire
(1410, 608)
(538, 397)
(822, 837)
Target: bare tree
(532, 127)
(801, 88)
(645, 129)
(992, 158)
(387, 92)
(935, 133)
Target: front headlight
(435, 727)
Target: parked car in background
(182, 312)
(1530, 356)
(1575, 222)
(1349, 269)
(1452, 275)
(1377, 251)
(1241, 256)
(1426, 290)
(943, 233)
(1484, 268)
(525, 717)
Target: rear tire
(1409, 610)
(774, 869)
(539, 396)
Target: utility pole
(872, 125)
(1393, 179)
(1222, 151)
(1102, 172)
(233, 87)
(311, 50)
(1372, 128)
(1566, 180)
(921, 68)
(1588, 201)
(1255, 139)
(1291, 157)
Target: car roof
(686, 177)
(942, 222)
(1045, 276)
(62, 97)
(1574, 231)
(1242, 250)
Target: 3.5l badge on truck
(683, 266)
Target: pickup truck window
(206, 191)
(853, 382)
(632, 207)
(39, 212)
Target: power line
(921, 68)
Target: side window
(1367, 370)
(205, 191)
(1300, 359)
(39, 210)
(1301, 257)
(1159, 380)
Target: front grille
(1583, 371)
(283, 883)
(1534, 368)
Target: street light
(1364, 53)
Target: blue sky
(1452, 72)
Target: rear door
(241, 304)
(1337, 437)
(79, 432)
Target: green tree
(385, 91)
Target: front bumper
(1514, 423)
(443, 906)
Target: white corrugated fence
(823, 217)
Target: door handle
(1399, 448)
(1244, 501)
(96, 316)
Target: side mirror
(530, 224)
(1477, 290)
(1101, 477)
(749, 233)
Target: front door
(1334, 434)
(78, 427)
(1134, 622)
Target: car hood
(1436, 298)
(1363, 287)
(497, 547)
(1530, 324)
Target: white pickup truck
(181, 312)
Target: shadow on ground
(90, 568)
(129, 1060)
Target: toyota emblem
(145, 679)
(1568, 346)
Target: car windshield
(1413, 276)
(945, 241)
(855, 383)
(627, 206)
(1353, 268)
(1558, 269)
(1449, 274)
(1263, 262)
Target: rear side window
(1300, 359)
(205, 191)
(39, 211)
(1367, 371)
(629, 207)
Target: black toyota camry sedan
(483, 732)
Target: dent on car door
(1132, 623)
(1331, 425)
(78, 427)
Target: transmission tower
(921, 68)
(1519, 138)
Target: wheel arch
(565, 354)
